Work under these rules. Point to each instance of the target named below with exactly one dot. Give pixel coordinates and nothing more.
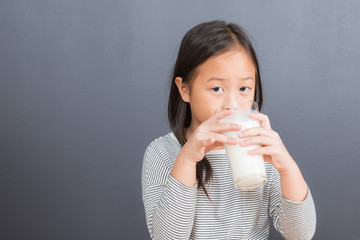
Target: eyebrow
(224, 79)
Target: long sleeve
(294, 220)
(169, 205)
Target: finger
(263, 119)
(261, 151)
(214, 145)
(259, 140)
(256, 131)
(224, 127)
(216, 138)
(267, 158)
(219, 115)
(220, 138)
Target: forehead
(230, 64)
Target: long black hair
(199, 44)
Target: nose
(231, 102)
(229, 105)
(226, 107)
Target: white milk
(248, 170)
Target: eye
(218, 89)
(244, 89)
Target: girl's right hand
(208, 136)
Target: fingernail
(241, 134)
(233, 140)
(237, 126)
(242, 143)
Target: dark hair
(199, 44)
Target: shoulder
(166, 140)
(159, 157)
(167, 143)
(166, 147)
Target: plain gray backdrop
(84, 88)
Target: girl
(188, 191)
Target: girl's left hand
(272, 148)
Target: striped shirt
(176, 211)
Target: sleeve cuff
(290, 203)
(298, 218)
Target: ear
(183, 88)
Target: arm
(293, 219)
(293, 185)
(169, 190)
(169, 204)
(291, 204)
(184, 170)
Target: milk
(248, 170)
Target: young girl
(188, 191)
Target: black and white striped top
(176, 211)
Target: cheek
(203, 105)
(208, 111)
(202, 112)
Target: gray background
(84, 87)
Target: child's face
(220, 80)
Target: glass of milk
(248, 170)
